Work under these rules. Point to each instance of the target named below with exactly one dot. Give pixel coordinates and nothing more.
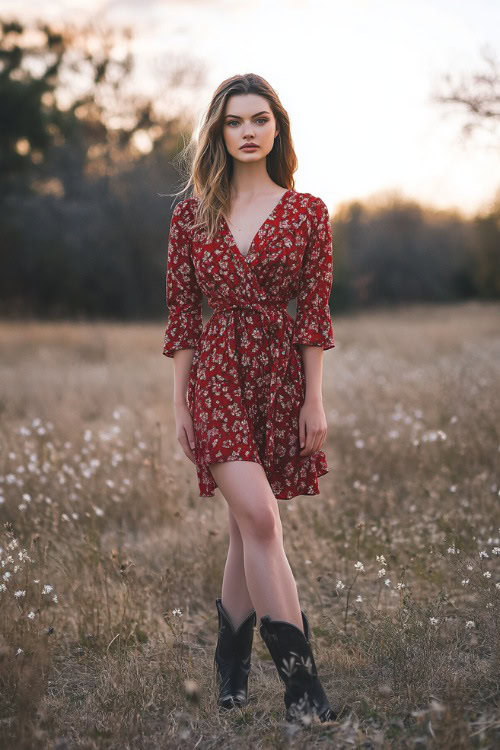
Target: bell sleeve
(183, 294)
(313, 323)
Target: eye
(259, 119)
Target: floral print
(247, 380)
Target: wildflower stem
(347, 602)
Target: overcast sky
(355, 76)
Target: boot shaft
(232, 659)
(292, 654)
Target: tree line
(85, 231)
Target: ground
(397, 560)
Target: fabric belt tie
(272, 315)
(270, 312)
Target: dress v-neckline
(268, 218)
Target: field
(111, 562)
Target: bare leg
(269, 578)
(235, 597)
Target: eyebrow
(264, 112)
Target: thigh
(247, 491)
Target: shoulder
(183, 214)
(313, 207)
(184, 208)
(310, 202)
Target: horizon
(413, 148)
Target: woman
(247, 392)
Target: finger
(313, 443)
(308, 444)
(183, 441)
(318, 440)
(190, 435)
(302, 432)
(321, 440)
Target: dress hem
(320, 472)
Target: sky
(356, 77)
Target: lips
(249, 148)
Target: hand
(185, 430)
(312, 427)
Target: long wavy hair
(207, 165)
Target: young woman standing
(247, 393)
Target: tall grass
(110, 561)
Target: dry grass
(99, 503)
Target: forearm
(313, 368)
(183, 359)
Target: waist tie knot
(270, 312)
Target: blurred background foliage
(84, 229)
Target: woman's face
(248, 119)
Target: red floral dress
(247, 380)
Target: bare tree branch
(477, 94)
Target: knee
(261, 524)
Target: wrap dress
(247, 380)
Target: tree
(477, 94)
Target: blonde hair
(207, 165)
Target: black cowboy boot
(232, 658)
(292, 654)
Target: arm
(185, 323)
(313, 330)
(184, 296)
